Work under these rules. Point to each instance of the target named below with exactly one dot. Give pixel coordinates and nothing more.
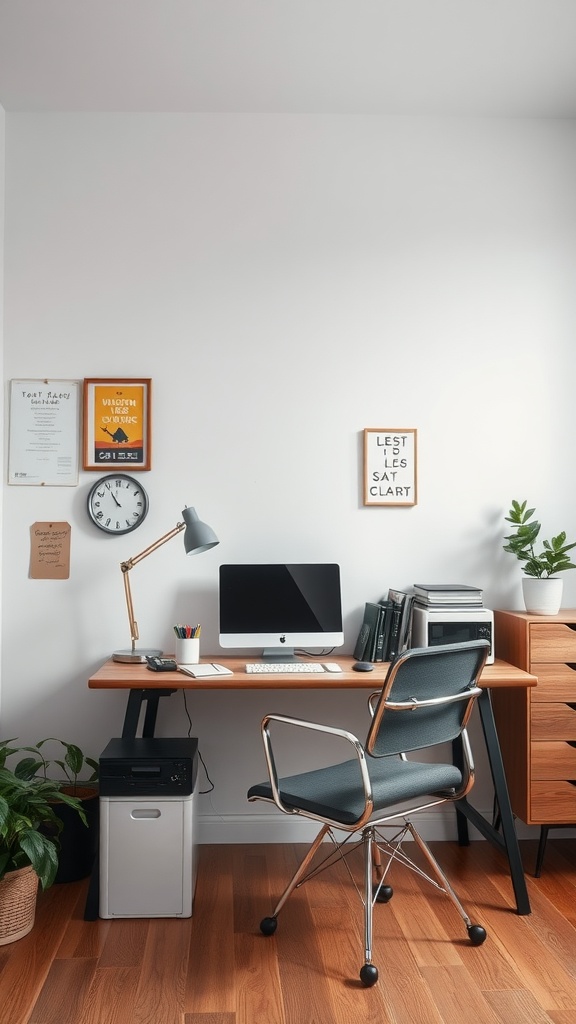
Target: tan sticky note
(50, 551)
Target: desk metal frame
(506, 840)
(147, 688)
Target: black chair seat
(337, 793)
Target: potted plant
(27, 854)
(542, 592)
(79, 836)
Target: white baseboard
(271, 828)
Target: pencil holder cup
(187, 651)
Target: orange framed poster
(117, 418)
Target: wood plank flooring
(216, 968)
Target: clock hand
(116, 500)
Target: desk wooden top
(115, 675)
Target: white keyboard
(284, 667)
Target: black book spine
(362, 642)
(379, 654)
(395, 629)
(406, 624)
(366, 641)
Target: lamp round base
(131, 657)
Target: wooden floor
(216, 967)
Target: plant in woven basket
(26, 805)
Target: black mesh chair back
(417, 677)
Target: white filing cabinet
(148, 844)
(148, 856)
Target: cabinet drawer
(552, 642)
(553, 721)
(553, 802)
(555, 682)
(554, 761)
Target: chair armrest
(373, 701)
(313, 727)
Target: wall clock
(117, 503)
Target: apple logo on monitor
(282, 639)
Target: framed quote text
(390, 462)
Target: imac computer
(280, 607)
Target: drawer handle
(570, 664)
(571, 625)
(571, 704)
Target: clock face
(117, 503)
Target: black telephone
(161, 664)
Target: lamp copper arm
(129, 564)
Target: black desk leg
(134, 706)
(132, 713)
(508, 841)
(93, 895)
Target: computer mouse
(363, 666)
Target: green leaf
(28, 767)
(74, 758)
(552, 559)
(42, 855)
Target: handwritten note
(50, 551)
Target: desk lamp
(197, 538)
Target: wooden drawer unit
(556, 683)
(554, 803)
(537, 727)
(552, 642)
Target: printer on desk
(450, 614)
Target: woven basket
(18, 891)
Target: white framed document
(43, 447)
(390, 476)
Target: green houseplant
(27, 854)
(542, 593)
(72, 765)
(77, 776)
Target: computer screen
(280, 607)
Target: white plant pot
(542, 596)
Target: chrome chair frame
(369, 821)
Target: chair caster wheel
(384, 894)
(268, 925)
(476, 934)
(368, 975)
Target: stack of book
(447, 595)
(385, 629)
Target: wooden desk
(148, 687)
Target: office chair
(426, 700)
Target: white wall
(285, 281)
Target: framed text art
(390, 466)
(117, 415)
(44, 435)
